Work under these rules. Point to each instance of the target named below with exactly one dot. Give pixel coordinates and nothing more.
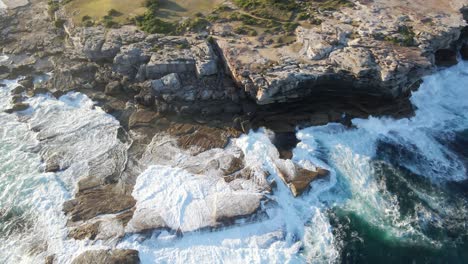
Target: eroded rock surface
(116, 256)
(377, 48)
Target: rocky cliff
(376, 48)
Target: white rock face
(168, 83)
(206, 64)
(173, 198)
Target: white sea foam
(35, 197)
(174, 198)
(440, 109)
(2, 57)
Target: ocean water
(397, 192)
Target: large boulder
(297, 177)
(206, 59)
(130, 58)
(96, 46)
(170, 83)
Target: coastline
(197, 130)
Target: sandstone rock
(115, 256)
(142, 118)
(50, 259)
(113, 88)
(52, 166)
(103, 228)
(201, 137)
(102, 200)
(296, 177)
(86, 231)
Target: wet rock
(108, 256)
(107, 199)
(298, 178)
(4, 71)
(85, 231)
(285, 142)
(446, 58)
(201, 137)
(21, 70)
(50, 259)
(53, 164)
(17, 98)
(142, 118)
(17, 107)
(27, 82)
(113, 88)
(464, 51)
(41, 90)
(18, 90)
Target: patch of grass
(96, 9)
(196, 24)
(276, 9)
(85, 18)
(53, 6)
(113, 13)
(59, 23)
(244, 30)
(88, 23)
(331, 5)
(405, 38)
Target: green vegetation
(59, 23)
(405, 38)
(331, 5)
(276, 19)
(53, 6)
(113, 13)
(245, 30)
